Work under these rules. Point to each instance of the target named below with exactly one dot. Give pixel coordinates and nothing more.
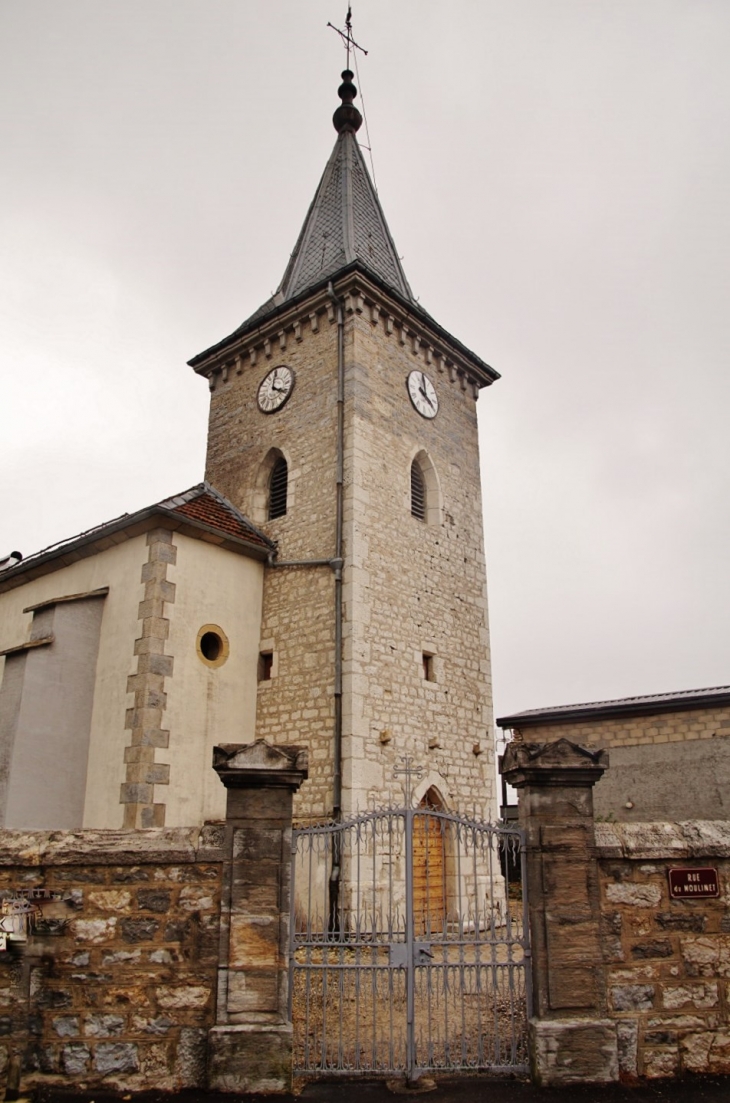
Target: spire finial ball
(347, 116)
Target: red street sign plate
(693, 884)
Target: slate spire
(345, 222)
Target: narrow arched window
(418, 492)
(277, 488)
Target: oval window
(212, 645)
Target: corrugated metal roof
(620, 706)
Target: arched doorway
(429, 866)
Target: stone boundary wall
(115, 987)
(667, 962)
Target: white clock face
(423, 394)
(275, 388)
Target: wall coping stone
(119, 847)
(688, 839)
(559, 764)
(260, 765)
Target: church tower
(343, 423)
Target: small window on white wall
(212, 645)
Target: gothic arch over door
(429, 867)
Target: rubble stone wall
(667, 961)
(115, 985)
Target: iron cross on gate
(407, 771)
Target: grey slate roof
(345, 223)
(622, 706)
(344, 231)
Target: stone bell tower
(343, 423)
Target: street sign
(693, 883)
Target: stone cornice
(650, 841)
(122, 848)
(362, 295)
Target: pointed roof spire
(345, 230)
(345, 223)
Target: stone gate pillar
(250, 1047)
(571, 1036)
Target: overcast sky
(556, 176)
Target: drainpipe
(337, 786)
(334, 922)
(336, 564)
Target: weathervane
(407, 770)
(350, 44)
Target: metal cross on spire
(349, 42)
(407, 771)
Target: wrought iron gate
(409, 946)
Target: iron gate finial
(407, 771)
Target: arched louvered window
(418, 492)
(277, 488)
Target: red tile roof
(201, 508)
(211, 509)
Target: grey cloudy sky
(556, 178)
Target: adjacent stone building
(347, 612)
(670, 752)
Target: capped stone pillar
(250, 1047)
(571, 1036)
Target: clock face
(275, 388)
(423, 394)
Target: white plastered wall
(118, 568)
(208, 705)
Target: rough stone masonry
(116, 986)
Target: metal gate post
(411, 1074)
(527, 945)
(292, 925)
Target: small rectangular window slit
(428, 671)
(266, 662)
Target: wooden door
(429, 869)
